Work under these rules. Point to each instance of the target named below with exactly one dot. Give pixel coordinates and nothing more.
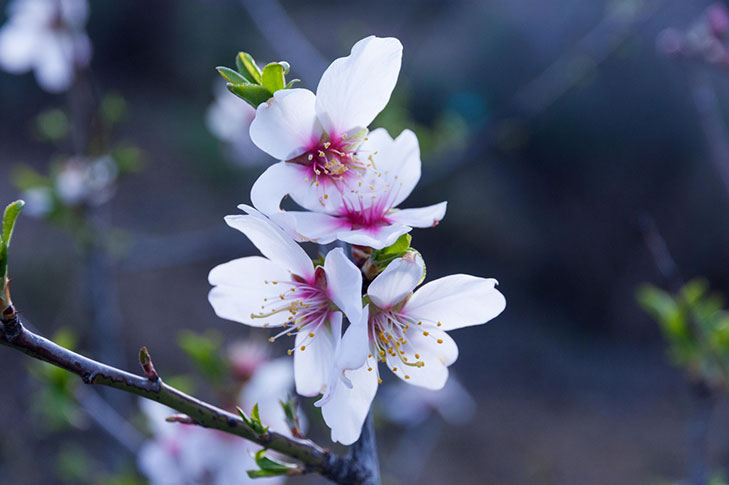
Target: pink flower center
(306, 303)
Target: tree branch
(313, 457)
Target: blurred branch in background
(619, 23)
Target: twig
(363, 454)
(313, 457)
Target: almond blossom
(317, 136)
(46, 36)
(368, 214)
(285, 289)
(407, 328)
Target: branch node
(11, 324)
(181, 418)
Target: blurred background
(563, 133)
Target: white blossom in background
(229, 120)
(86, 182)
(317, 137)
(46, 36)
(410, 406)
(369, 215)
(285, 289)
(181, 454)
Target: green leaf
(254, 421)
(271, 468)
(273, 77)
(248, 68)
(232, 76)
(292, 82)
(11, 214)
(250, 93)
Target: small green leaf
(292, 82)
(248, 68)
(250, 93)
(272, 468)
(11, 214)
(232, 76)
(254, 421)
(273, 77)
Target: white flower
(284, 289)
(180, 454)
(46, 36)
(368, 215)
(407, 329)
(317, 136)
(229, 119)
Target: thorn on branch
(147, 366)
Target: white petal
(286, 125)
(422, 217)
(376, 237)
(310, 226)
(324, 197)
(273, 242)
(313, 366)
(240, 290)
(344, 284)
(348, 407)
(355, 345)
(354, 89)
(397, 281)
(17, 48)
(54, 67)
(436, 357)
(457, 301)
(274, 184)
(397, 163)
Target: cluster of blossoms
(48, 37)
(348, 182)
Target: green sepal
(232, 76)
(248, 68)
(273, 78)
(291, 83)
(271, 468)
(253, 94)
